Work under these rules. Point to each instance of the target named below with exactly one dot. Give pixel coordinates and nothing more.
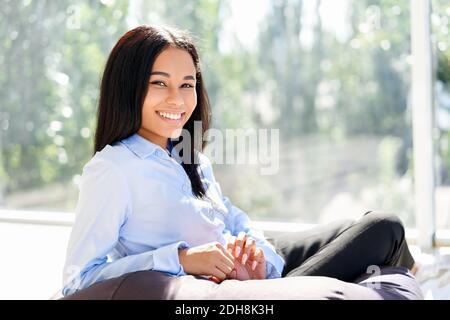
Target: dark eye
(158, 83)
(187, 85)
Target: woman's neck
(154, 138)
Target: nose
(175, 98)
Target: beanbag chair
(392, 283)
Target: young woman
(145, 204)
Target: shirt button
(158, 153)
(185, 188)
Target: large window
(440, 22)
(332, 76)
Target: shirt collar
(144, 148)
(140, 146)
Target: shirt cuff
(271, 271)
(274, 259)
(166, 259)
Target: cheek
(146, 110)
(149, 118)
(150, 102)
(152, 98)
(190, 100)
(146, 114)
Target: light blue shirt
(136, 209)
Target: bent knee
(385, 223)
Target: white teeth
(173, 116)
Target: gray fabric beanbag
(394, 283)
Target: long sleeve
(271, 271)
(237, 221)
(103, 206)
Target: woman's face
(171, 97)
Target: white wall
(32, 260)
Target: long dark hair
(124, 86)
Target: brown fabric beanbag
(393, 283)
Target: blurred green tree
(51, 59)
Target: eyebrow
(165, 74)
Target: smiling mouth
(171, 116)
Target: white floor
(33, 259)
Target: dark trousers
(344, 249)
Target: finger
(240, 241)
(228, 252)
(231, 244)
(224, 267)
(249, 248)
(219, 274)
(258, 258)
(223, 253)
(258, 255)
(227, 261)
(214, 279)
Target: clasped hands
(239, 259)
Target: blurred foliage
(51, 59)
(443, 69)
(441, 43)
(327, 95)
